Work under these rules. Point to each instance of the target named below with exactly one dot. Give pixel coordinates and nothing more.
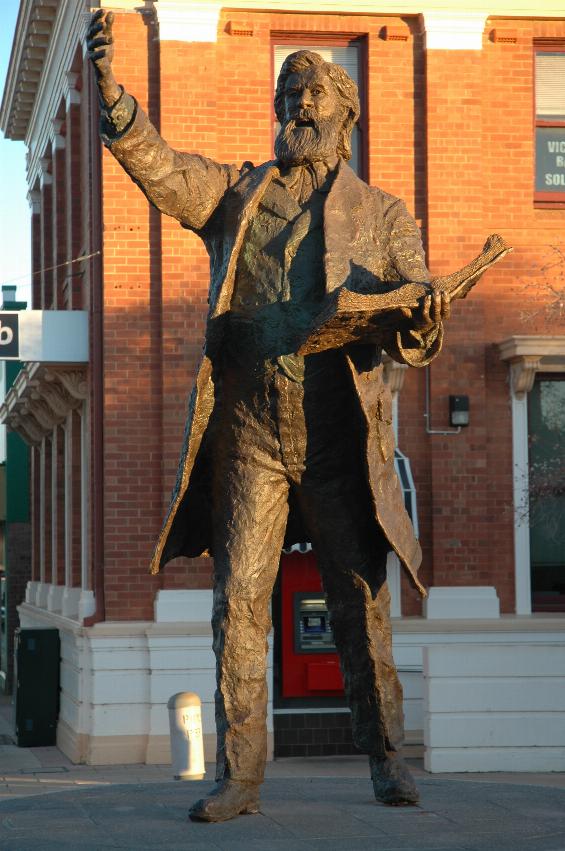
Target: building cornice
(41, 398)
(529, 354)
(47, 32)
(454, 29)
(68, 31)
(539, 345)
(27, 62)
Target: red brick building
(464, 118)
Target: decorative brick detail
(501, 36)
(400, 32)
(238, 27)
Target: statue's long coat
(369, 236)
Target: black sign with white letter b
(9, 336)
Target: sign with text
(550, 159)
(9, 335)
(44, 336)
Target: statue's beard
(297, 144)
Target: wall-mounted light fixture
(459, 411)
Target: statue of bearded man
(281, 447)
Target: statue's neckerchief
(301, 180)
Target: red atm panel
(310, 666)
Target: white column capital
(34, 200)
(73, 382)
(57, 139)
(86, 604)
(45, 177)
(523, 374)
(182, 21)
(454, 29)
(72, 94)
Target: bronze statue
(282, 444)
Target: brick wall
(451, 133)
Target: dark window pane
(546, 426)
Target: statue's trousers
(274, 438)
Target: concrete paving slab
(318, 814)
(13, 758)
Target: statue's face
(314, 117)
(310, 91)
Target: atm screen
(312, 631)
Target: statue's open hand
(433, 309)
(100, 46)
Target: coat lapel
(242, 204)
(342, 215)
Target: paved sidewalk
(49, 804)
(317, 814)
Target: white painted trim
(99, 724)
(186, 21)
(183, 605)
(72, 95)
(54, 336)
(14, 69)
(34, 459)
(525, 9)
(42, 454)
(460, 601)
(54, 506)
(191, 22)
(454, 29)
(395, 416)
(526, 355)
(533, 345)
(494, 707)
(58, 142)
(86, 604)
(84, 485)
(66, 35)
(520, 477)
(54, 602)
(394, 377)
(119, 5)
(42, 595)
(34, 200)
(393, 579)
(70, 602)
(31, 592)
(45, 179)
(68, 431)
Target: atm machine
(309, 662)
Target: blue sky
(15, 245)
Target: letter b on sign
(9, 336)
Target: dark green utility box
(36, 695)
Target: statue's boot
(228, 798)
(392, 782)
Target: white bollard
(187, 749)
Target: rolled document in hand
(350, 317)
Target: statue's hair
(343, 84)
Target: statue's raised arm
(187, 187)
(100, 45)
